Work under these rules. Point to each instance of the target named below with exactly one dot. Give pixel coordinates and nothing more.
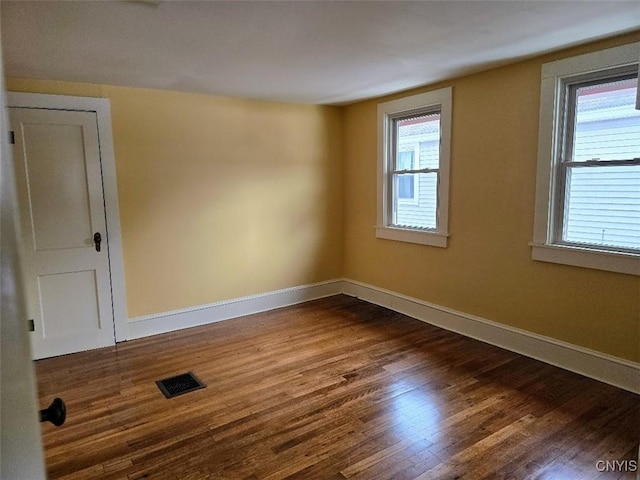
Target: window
(588, 186)
(414, 135)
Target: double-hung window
(414, 135)
(588, 186)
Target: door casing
(102, 109)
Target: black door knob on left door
(97, 238)
(55, 413)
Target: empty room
(320, 240)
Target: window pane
(603, 206)
(422, 212)
(607, 125)
(417, 132)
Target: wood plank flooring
(331, 389)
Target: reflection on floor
(334, 388)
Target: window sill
(619, 262)
(412, 236)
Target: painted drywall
(223, 197)
(487, 269)
(219, 197)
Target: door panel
(61, 205)
(68, 205)
(69, 318)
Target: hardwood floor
(332, 389)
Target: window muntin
(598, 173)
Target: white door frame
(102, 109)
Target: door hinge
(32, 325)
(12, 137)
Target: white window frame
(545, 245)
(387, 112)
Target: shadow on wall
(222, 198)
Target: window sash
(565, 160)
(562, 220)
(395, 202)
(392, 171)
(569, 103)
(394, 199)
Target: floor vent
(183, 383)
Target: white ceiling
(298, 51)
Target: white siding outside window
(603, 207)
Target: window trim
(387, 112)
(545, 246)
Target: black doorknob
(97, 238)
(56, 413)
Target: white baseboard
(164, 322)
(606, 368)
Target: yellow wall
(224, 197)
(487, 269)
(220, 197)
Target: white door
(21, 454)
(61, 204)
